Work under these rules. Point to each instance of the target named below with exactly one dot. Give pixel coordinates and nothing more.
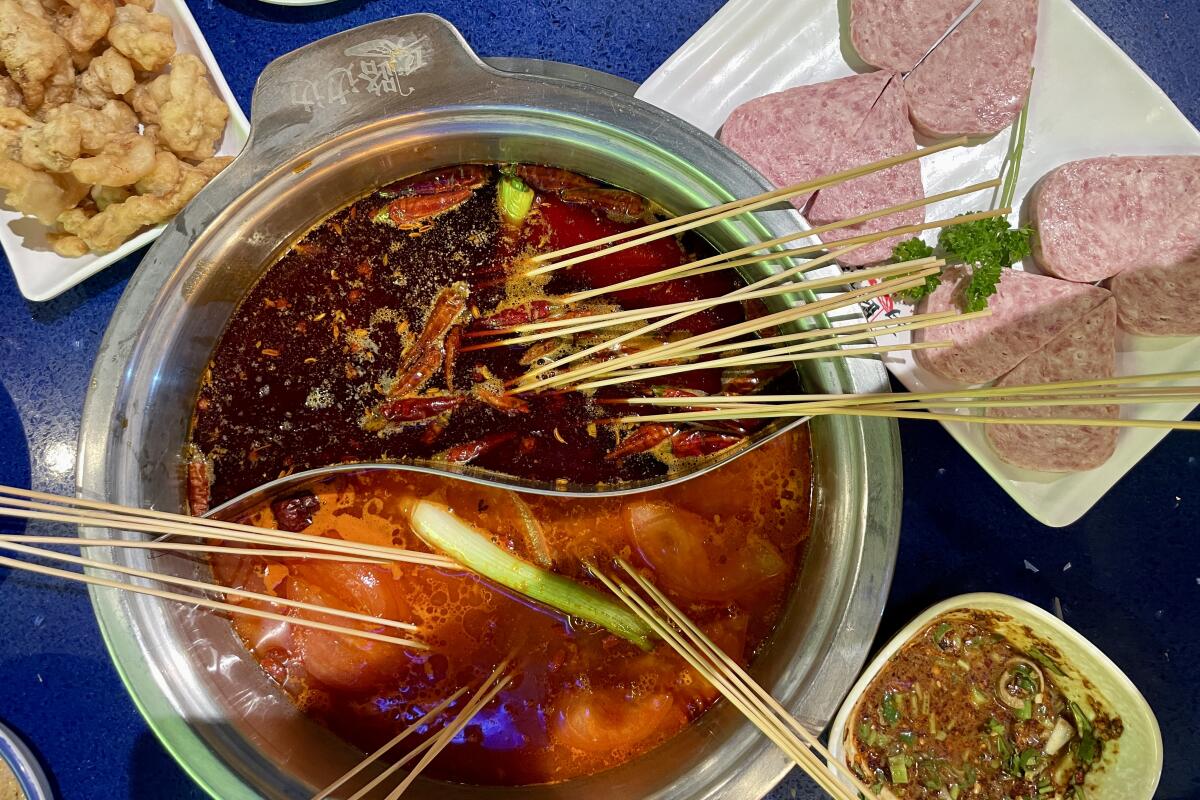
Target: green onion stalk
(442, 530)
(515, 199)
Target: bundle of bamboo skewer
(17, 503)
(1126, 390)
(734, 683)
(729, 678)
(743, 345)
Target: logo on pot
(377, 67)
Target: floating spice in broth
(582, 699)
(355, 344)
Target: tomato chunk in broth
(583, 700)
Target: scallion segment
(444, 531)
(515, 199)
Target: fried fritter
(52, 145)
(32, 192)
(30, 50)
(109, 228)
(73, 152)
(10, 93)
(13, 124)
(143, 36)
(68, 245)
(108, 76)
(190, 115)
(124, 160)
(82, 23)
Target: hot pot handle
(358, 77)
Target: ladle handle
(361, 76)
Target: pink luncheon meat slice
(809, 131)
(1028, 312)
(1084, 351)
(894, 34)
(976, 81)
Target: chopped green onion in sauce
(961, 711)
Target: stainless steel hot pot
(331, 121)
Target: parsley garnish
(988, 246)
(911, 250)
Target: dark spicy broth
(583, 699)
(962, 712)
(349, 348)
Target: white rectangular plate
(1088, 99)
(41, 274)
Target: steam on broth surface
(355, 346)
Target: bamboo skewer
(749, 326)
(882, 327)
(694, 267)
(923, 405)
(688, 308)
(771, 719)
(1092, 422)
(319, 544)
(719, 656)
(1115, 386)
(653, 326)
(188, 547)
(6, 544)
(745, 412)
(751, 410)
(812, 339)
(832, 252)
(695, 219)
(116, 516)
(1082, 386)
(784, 355)
(429, 716)
(491, 687)
(202, 602)
(783, 240)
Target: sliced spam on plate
(974, 82)
(1041, 329)
(809, 131)
(1133, 222)
(896, 34)
(1085, 350)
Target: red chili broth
(726, 546)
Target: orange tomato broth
(725, 546)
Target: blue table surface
(1127, 574)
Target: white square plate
(1088, 99)
(41, 274)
